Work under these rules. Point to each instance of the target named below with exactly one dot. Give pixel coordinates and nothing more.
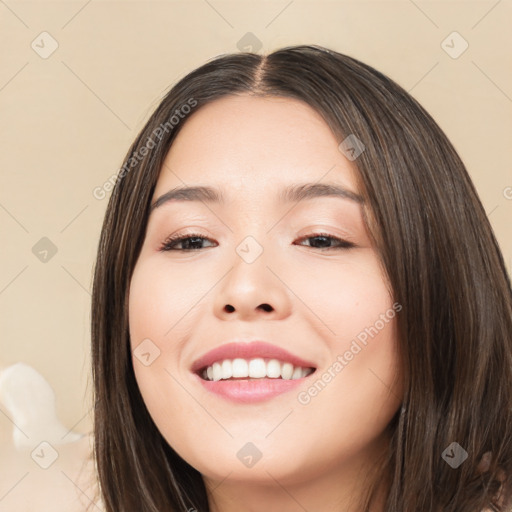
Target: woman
(299, 303)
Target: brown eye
(192, 242)
(322, 239)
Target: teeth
(239, 366)
(297, 373)
(227, 369)
(217, 371)
(257, 368)
(287, 371)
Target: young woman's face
(258, 272)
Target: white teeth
(257, 368)
(240, 368)
(217, 371)
(227, 369)
(297, 373)
(287, 371)
(274, 369)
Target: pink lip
(249, 391)
(245, 390)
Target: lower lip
(250, 391)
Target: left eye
(341, 244)
(193, 241)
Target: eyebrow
(291, 193)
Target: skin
(313, 455)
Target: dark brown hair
(439, 253)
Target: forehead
(248, 144)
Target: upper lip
(251, 350)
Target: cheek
(346, 297)
(352, 410)
(159, 297)
(156, 302)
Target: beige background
(67, 120)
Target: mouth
(253, 369)
(257, 371)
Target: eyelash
(175, 239)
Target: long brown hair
(439, 253)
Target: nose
(252, 290)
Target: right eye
(192, 240)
